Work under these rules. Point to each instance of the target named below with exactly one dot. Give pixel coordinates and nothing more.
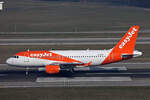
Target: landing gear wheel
(27, 70)
(72, 70)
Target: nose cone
(9, 61)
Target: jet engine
(52, 69)
(55, 69)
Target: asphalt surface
(68, 41)
(99, 32)
(132, 74)
(118, 74)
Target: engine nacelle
(52, 69)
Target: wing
(73, 64)
(56, 68)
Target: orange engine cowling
(52, 69)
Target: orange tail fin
(127, 43)
(124, 47)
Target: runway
(68, 41)
(118, 74)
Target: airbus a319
(55, 61)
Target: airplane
(55, 61)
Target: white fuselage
(96, 57)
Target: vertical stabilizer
(124, 47)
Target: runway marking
(80, 32)
(67, 39)
(68, 43)
(74, 84)
(82, 79)
(143, 63)
(99, 68)
(116, 73)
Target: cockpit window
(15, 57)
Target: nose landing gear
(27, 70)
